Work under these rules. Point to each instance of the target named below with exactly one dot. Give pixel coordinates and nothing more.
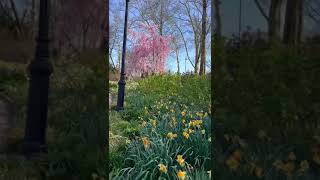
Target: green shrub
(193, 91)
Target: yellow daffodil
(180, 160)
(146, 142)
(186, 135)
(258, 172)
(203, 131)
(183, 113)
(170, 135)
(200, 114)
(154, 123)
(316, 158)
(209, 139)
(163, 168)
(304, 166)
(194, 123)
(181, 175)
(232, 163)
(278, 164)
(291, 156)
(183, 121)
(209, 174)
(190, 131)
(288, 167)
(174, 120)
(128, 141)
(237, 154)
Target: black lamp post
(122, 82)
(40, 69)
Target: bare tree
(17, 17)
(194, 22)
(79, 25)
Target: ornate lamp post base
(121, 91)
(33, 148)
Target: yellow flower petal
(181, 175)
(163, 168)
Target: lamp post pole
(122, 82)
(40, 69)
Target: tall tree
(273, 17)
(217, 18)
(193, 12)
(203, 38)
(275, 20)
(293, 22)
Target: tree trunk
(300, 23)
(203, 38)
(217, 18)
(292, 22)
(84, 39)
(196, 61)
(119, 59)
(274, 21)
(177, 58)
(161, 18)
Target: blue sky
(171, 64)
(230, 23)
(251, 17)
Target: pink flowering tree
(149, 51)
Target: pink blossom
(149, 52)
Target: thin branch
(312, 8)
(185, 45)
(264, 14)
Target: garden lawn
(170, 135)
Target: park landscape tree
(149, 52)
(285, 18)
(171, 19)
